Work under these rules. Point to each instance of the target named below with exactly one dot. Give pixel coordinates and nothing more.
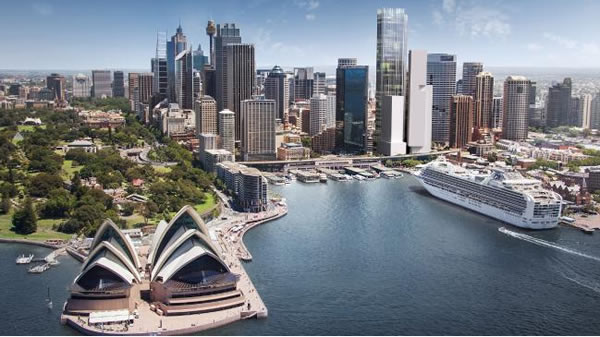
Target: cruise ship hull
(485, 209)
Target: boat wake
(545, 243)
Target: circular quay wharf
(187, 279)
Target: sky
(83, 35)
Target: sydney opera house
(181, 272)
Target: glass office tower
(392, 25)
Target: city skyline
(287, 33)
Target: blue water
(380, 257)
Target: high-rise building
(81, 86)
(497, 112)
(352, 98)
(303, 83)
(461, 121)
(228, 34)
(515, 108)
(239, 76)
(258, 129)
(101, 83)
(586, 107)
(469, 82)
(392, 29)
(330, 115)
(318, 111)
(56, 83)
(206, 115)
(159, 69)
(319, 84)
(140, 86)
(118, 86)
(226, 125)
(184, 79)
(392, 141)
(559, 104)
(199, 59)
(276, 87)
(441, 75)
(419, 102)
(175, 47)
(346, 61)
(576, 112)
(483, 100)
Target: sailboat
(49, 300)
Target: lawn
(162, 169)
(30, 128)
(208, 204)
(68, 170)
(44, 231)
(133, 219)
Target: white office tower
(419, 103)
(330, 115)
(392, 126)
(227, 130)
(81, 86)
(318, 111)
(586, 106)
(258, 129)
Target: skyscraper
(559, 104)
(319, 83)
(277, 88)
(56, 83)
(81, 86)
(303, 83)
(392, 141)
(318, 110)
(470, 72)
(227, 34)
(258, 129)
(175, 47)
(239, 77)
(101, 83)
(515, 108)
(159, 68)
(199, 59)
(483, 100)
(352, 95)
(226, 125)
(206, 115)
(441, 75)
(330, 115)
(392, 27)
(140, 88)
(576, 112)
(419, 102)
(497, 111)
(461, 121)
(118, 84)
(184, 79)
(586, 107)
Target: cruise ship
(498, 193)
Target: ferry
(39, 268)
(24, 259)
(500, 193)
(323, 178)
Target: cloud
(470, 18)
(309, 5)
(274, 50)
(591, 48)
(43, 9)
(449, 6)
(534, 47)
(310, 17)
(563, 42)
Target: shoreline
(30, 242)
(246, 252)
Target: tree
(5, 204)
(492, 157)
(59, 204)
(149, 211)
(41, 184)
(128, 209)
(24, 220)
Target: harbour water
(378, 257)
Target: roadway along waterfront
(377, 257)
